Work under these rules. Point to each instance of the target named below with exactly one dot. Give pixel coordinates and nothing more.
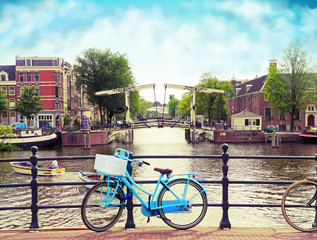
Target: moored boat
(90, 177)
(25, 168)
(39, 141)
(309, 134)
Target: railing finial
(225, 147)
(34, 149)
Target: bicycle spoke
(190, 205)
(102, 206)
(299, 205)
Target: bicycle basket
(110, 165)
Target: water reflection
(165, 141)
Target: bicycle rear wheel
(98, 211)
(191, 212)
(295, 208)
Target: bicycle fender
(190, 179)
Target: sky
(165, 41)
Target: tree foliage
(98, 70)
(29, 103)
(292, 86)
(213, 105)
(144, 105)
(183, 107)
(3, 102)
(172, 105)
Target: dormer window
(28, 62)
(4, 76)
(238, 90)
(248, 88)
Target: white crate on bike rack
(110, 165)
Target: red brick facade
(53, 79)
(250, 95)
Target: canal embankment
(94, 138)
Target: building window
(21, 90)
(57, 105)
(282, 116)
(56, 92)
(11, 90)
(56, 77)
(5, 119)
(29, 77)
(310, 108)
(268, 115)
(36, 77)
(37, 90)
(282, 127)
(4, 90)
(3, 77)
(45, 117)
(28, 62)
(258, 122)
(12, 103)
(21, 76)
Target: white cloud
(226, 38)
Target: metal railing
(224, 223)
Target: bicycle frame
(151, 208)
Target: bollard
(225, 223)
(34, 189)
(130, 221)
(88, 141)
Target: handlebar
(141, 162)
(147, 163)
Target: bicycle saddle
(163, 171)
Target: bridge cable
(182, 116)
(164, 106)
(158, 123)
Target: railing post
(130, 221)
(225, 223)
(315, 221)
(34, 189)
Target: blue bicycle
(180, 201)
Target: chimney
(233, 81)
(273, 62)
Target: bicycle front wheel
(102, 206)
(191, 203)
(299, 205)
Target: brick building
(8, 85)
(250, 96)
(53, 79)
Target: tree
(213, 105)
(172, 104)
(291, 87)
(183, 107)
(144, 105)
(3, 103)
(98, 70)
(29, 103)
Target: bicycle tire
(193, 214)
(94, 214)
(294, 209)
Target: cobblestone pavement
(161, 233)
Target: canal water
(166, 141)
